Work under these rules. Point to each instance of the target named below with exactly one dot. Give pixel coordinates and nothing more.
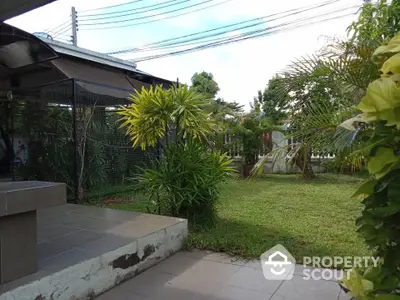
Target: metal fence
(63, 132)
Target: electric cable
(288, 14)
(147, 17)
(157, 20)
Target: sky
(240, 69)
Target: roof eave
(90, 55)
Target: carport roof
(13, 8)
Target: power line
(157, 20)
(54, 28)
(288, 13)
(62, 30)
(128, 10)
(147, 17)
(112, 6)
(230, 41)
(60, 27)
(139, 12)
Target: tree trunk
(303, 161)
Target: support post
(74, 133)
(74, 22)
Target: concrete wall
(92, 277)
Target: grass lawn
(309, 218)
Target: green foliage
(50, 146)
(377, 23)
(155, 111)
(274, 105)
(379, 223)
(185, 182)
(204, 83)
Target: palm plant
(154, 112)
(325, 88)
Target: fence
(62, 132)
(233, 145)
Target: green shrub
(185, 182)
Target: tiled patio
(199, 275)
(85, 250)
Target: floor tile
(214, 256)
(48, 233)
(205, 269)
(253, 279)
(106, 244)
(146, 284)
(64, 260)
(298, 288)
(236, 293)
(176, 264)
(255, 264)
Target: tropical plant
(155, 112)
(184, 180)
(378, 126)
(324, 89)
(184, 183)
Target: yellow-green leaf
(383, 157)
(381, 94)
(352, 123)
(367, 188)
(392, 116)
(392, 46)
(391, 66)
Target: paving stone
(253, 279)
(200, 275)
(298, 288)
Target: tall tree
(205, 84)
(272, 102)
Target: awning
(98, 80)
(20, 49)
(12, 8)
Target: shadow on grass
(250, 241)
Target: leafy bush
(379, 224)
(154, 112)
(185, 182)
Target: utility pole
(74, 20)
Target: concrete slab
(84, 251)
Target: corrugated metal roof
(94, 56)
(71, 50)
